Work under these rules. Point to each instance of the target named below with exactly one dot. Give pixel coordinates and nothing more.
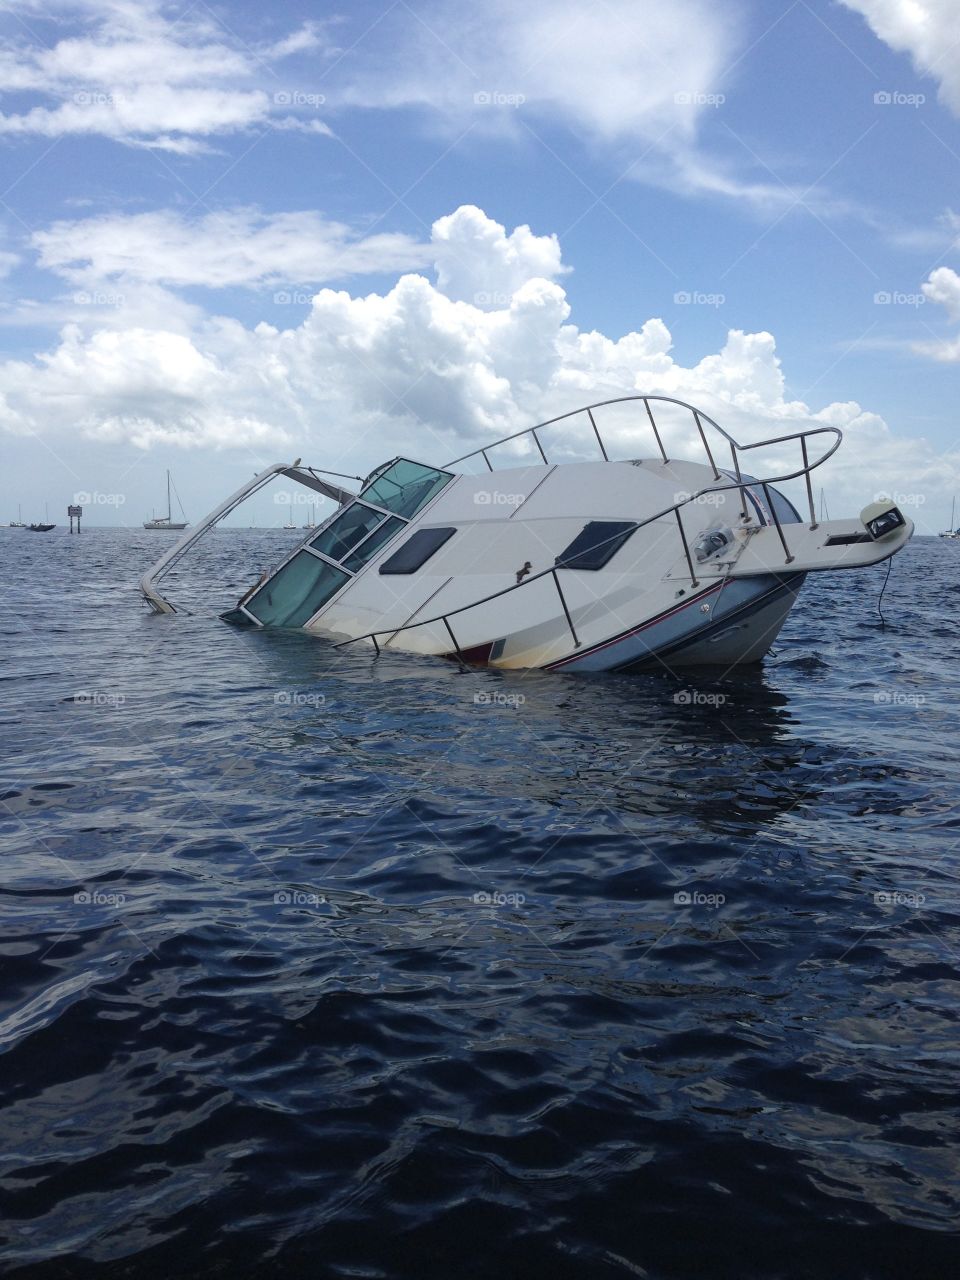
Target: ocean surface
(318, 965)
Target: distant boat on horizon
(45, 527)
(167, 521)
(18, 523)
(953, 532)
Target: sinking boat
(580, 566)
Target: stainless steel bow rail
(739, 484)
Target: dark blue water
(317, 965)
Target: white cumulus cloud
(924, 29)
(423, 369)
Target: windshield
(404, 487)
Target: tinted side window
(417, 550)
(595, 544)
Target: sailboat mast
(169, 509)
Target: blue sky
(210, 217)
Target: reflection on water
(315, 963)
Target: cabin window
(595, 544)
(368, 549)
(404, 487)
(417, 550)
(295, 593)
(349, 528)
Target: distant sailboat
(952, 532)
(18, 523)
(290, 523)
(167, 521)
(45, 527)
(311, 523)
(824, 513)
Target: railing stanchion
(736, 467)
(663, 452)
(776, 520)
(573, 630)
(703, 438)
(446, 623)
(375, 645)
(536, 440)
(597, 434)
(487, 460)
(686, 549)
(806, 471)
